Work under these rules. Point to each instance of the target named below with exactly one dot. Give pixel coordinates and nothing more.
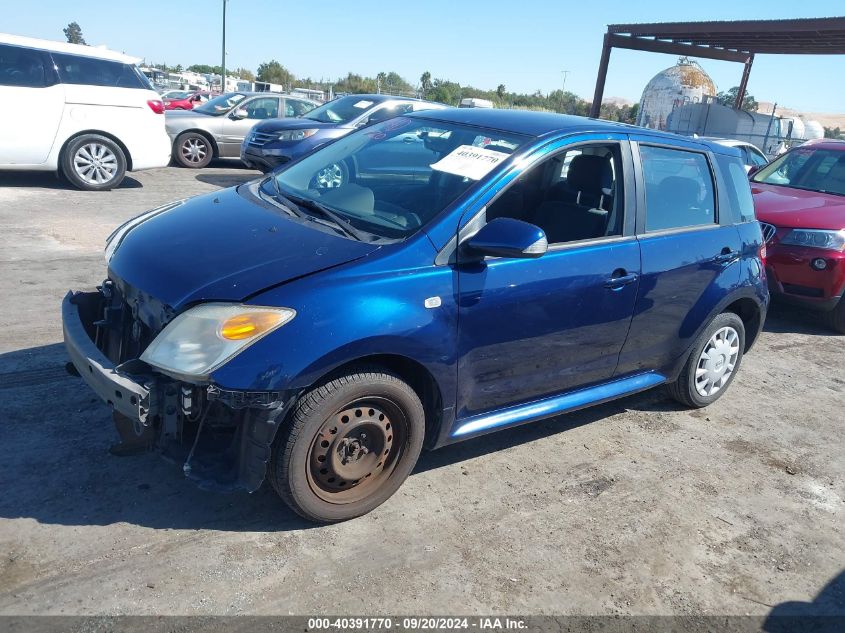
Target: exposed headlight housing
(816, 238)
(116, 237)
(207, 336)
(296, 135)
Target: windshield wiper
(286, 203)
(327, 213)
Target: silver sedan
(217, 128)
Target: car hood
(798, 208)
(277, 125)
(224, 246)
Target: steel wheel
(194, 149)
(717, 361)
(356, 450)
(330, 177)
(95, 163)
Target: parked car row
(92, 116)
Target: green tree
(832, 132)
(501, 91)
(273, 72)
(749, 103)
(204, 69)
(73, 33)
(245, 73)
(425, 82)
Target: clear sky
(524, 44)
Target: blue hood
(224, 246)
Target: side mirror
(507, 237)
(240, 113)
(753, 170)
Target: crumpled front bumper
(130, 395)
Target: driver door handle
(620, 279)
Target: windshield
(392, 178)
(341, 110)
(821, 170)
(176, 94)
(221, 105)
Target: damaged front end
(221, 437)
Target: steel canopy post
(743, 84)
(601, 78)
(223, 63)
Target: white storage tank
(682, 84)
(813, 129)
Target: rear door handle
(726, 256)
(620, 279)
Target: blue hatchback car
(320, 338)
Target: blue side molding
(556, 405)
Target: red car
(184, 99)
(800, 201)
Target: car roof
(547, 123)
(825, 143)
(99, 52)
(381, 98)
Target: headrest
(587, 173)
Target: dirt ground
(635, 507)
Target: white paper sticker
(470, 162)
(362, 104)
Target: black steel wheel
(349, 445)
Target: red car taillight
(156, 106)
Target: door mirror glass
(240, 113)
(507, 237)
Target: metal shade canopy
(734, 41)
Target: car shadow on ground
(825, 614)
(224, 180)
(49, 180)
(54, 458)
(783, 318)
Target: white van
(86, 112)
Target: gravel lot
(635, 507)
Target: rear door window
(24, 67)
(679, 188)
(75, 69)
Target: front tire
(348, 445)
(92, 162)
(192, 150)
(713, 363)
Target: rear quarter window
(24, 67)
(737, 189)
(75, 69)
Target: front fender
(374, 306)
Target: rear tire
(349, 444)
(835, 319)
(93, 162)
(712, 364)
(192, 150)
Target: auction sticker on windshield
(362, 104)
(470, 162)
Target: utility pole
(563, 88)
(223, 64)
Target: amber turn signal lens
(244, 326)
